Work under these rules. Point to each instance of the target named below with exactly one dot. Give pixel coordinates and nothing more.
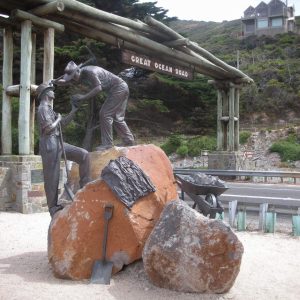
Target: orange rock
(76, 232)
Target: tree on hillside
(131, 9)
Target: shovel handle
(108, 210)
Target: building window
(262, 23)
(276, 22)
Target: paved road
(275, 194)
(264, 191)
(279, 195)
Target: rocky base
(76, 232)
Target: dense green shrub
(172, 144)
(189, 146)
(244, 136)
(182, 150)
(288, 149)
(197, 144)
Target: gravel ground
(270, 268)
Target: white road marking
(258, 197)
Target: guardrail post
(296, 224)
(241, 220)
(219, 216)
(263, 208)
(232, 205)
(270, 222)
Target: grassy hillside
(273, 63)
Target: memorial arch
(142, 42)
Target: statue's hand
(75, 100)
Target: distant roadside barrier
(242, 173)
(267, 211)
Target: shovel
(67, 188)
(102, 268)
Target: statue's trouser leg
(51, 155)
(113, 110)
(81, 157)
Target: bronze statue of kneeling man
(51, 147)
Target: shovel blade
(102, 272)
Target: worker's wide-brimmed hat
(42, 89)
(70, 71)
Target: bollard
(232, 205)
(296, 225)
(270, 222)
(263, 208)
(241, 220)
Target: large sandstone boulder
(188, 252)
(76, 232)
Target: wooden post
(6, 136)
(41, 22)
(24, 107)
(220, 135)
(231, 119)
(225, 118)
(237, 118)
(32, 98)
(48, 54)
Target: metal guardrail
(230, 173)
(290, 204)
(267, 218)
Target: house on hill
(269, 19)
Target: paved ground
(270, 268)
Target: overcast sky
(211, 10)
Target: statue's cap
(42, 89)
(70, 71)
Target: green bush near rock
(244, 136)
(189, 146)
(288, 149)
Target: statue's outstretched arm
(60, 81)
(69, 117)
(77, 98)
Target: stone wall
(22, 184)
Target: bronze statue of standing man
(112, 112)
(51, 147)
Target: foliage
(288, 148)
(198, 144)
(288, 151)
(244, 136)
(191, 146)
(172, 144)
(182, 150)
(152, 104)
(131, 9)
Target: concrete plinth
(224, 160)
(22, 184)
